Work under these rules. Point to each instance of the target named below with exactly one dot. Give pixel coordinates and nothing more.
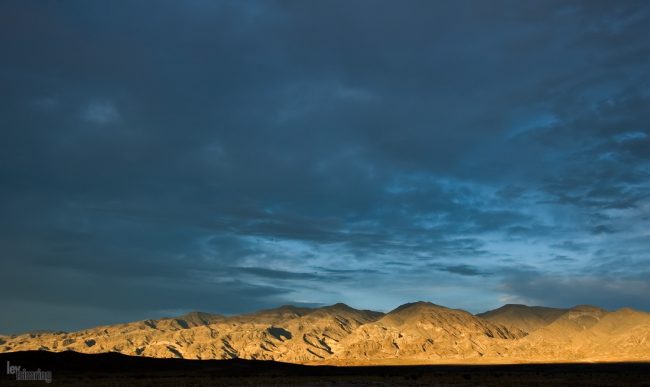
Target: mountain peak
(197, 315)
(627, 310)
(338, 305)
(587, 308)
(524, 317)
(417, 305)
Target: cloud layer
(229, 156)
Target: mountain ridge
(417, 332)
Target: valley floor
(112, 369)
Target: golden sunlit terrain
(415, 333)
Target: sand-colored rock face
(590, 334)
(419, 332)
(526, 318)
(426, 331)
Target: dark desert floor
(111, 369)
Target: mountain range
(414, 333)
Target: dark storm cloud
(561, 259)
(460, 269)
(277, 274)
(570, 246)
(602, 229)
(227, 156)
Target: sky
(159, 157)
